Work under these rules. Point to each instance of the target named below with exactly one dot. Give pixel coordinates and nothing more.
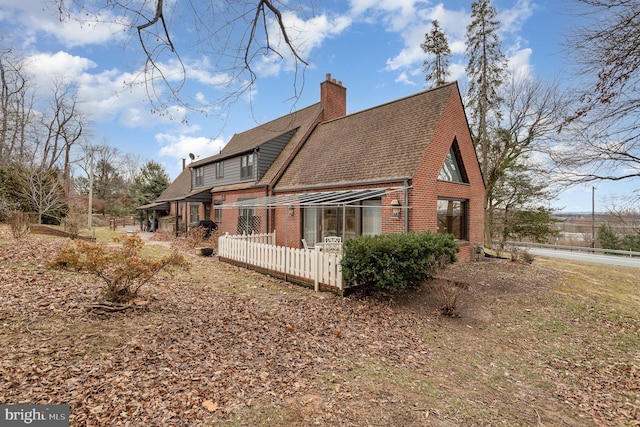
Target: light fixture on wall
(395, 208)
(290, 210)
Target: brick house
(178, 206)
(407, 165)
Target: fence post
(314, 268)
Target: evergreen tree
(630, 242)
(436, 44)
(515, 207)
(607, 238)
(108, 184)
(486, 71)
(149, 183)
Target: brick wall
(426, 187)
(229, 221)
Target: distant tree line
(47, 154)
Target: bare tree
(62, 126)
(532, 112)
(603, 134)
(41, 190)
(16, 111)
(232, 35)
(130, 166)
(608, 53)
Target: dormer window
(246, 166)
(199, 177)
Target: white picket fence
(312, 265)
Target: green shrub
(395, 262)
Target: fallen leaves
(210, 406)
(196, 351)
(193, 352)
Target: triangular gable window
(453, 169)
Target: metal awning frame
(317, 199)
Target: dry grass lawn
(555, 343)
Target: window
(344, 221)
(219, 170)
(217, 211)
(452, 168)
(371, 217)
(248, 222)
(452, 218)
(194, 212)
(199, 173)
(246, 166)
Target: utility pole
(593, 217)
(90, 217)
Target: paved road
(588, 257)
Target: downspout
(268, 209)
(344, 221)
(406, 206)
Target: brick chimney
(333, 98)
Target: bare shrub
(521, 255)
(18, 223)
(197, 238)
(76, 216)
(449, 296)
(122, 270)
(527, 257)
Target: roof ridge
(276, 119)
(375, 107)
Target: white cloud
(200, 71)
(78, 29)
(104, 96)
(411, 19)
(457, 71)
(304, 35)
(396, 14)
(404, 79)
(520, 62)
(60, 64)
(178, 146)
(512, 19)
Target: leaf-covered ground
(226, 346)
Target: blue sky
(373, 47)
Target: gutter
(404, 179)
(406, 205)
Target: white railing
(268, 238)
(312, 265)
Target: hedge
(394, 262)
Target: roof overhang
(317, 199)
(200, 195)
(156, 206)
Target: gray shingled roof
(253, 138)
(178, 189)
(381, 143)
